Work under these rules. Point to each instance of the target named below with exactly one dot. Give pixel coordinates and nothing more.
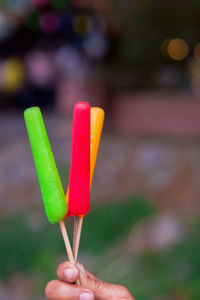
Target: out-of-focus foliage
(107, 223)
(25, 247)
(173, 272)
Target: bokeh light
(71, 62)
(178, 49)
(67, 59)
(197, 52)
(95, 45)
(39, 67)
(81, 24)
(49, 22)
(12, 75)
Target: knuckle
(62, 267)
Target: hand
(91, 288)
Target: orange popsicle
(96, 125)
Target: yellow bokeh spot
(177, 49)
(13, 75)
(81, 24)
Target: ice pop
(97, 118)
(96, 125)
(50, 184)
(79, 178)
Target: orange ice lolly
(96, 125)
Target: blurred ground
(168, 170)
(150, 184)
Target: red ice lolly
(79, 178)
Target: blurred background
(140, 61)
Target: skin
(91, 288)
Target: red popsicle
(79, 178)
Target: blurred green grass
(150, 275)
(175, 271)
(111, 221)
(24, 248)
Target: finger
(58, 290)
(102, 290)
(67, 272)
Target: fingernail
(69, 273)
(86, 296)
(82, 270)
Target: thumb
(102, 290)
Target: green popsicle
(50, 184)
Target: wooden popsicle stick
(78, 236)
(67, 244)
(75, 232)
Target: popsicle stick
(75, 232)
(78, 236)
(67, 244)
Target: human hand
(91, 288)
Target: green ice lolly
(50, 184)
